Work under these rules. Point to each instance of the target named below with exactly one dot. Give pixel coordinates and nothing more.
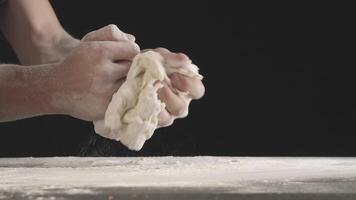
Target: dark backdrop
(279, 79)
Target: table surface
(178, 178)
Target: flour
(91, 176)
(132, 115)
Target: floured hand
(93, 71)
(64, 45)
(138, 108)
(177, 107)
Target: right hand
(88, 77)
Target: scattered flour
(72, 175)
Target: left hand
(176, 106)
(60, 49)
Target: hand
(89, 76)
(56, 51)
(176, 107)
(60, 49)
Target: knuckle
(131, 37)
(200, 92)
(88, 36)
(135, 48)
(161, 49)
(115, 33)
(131, 48)
(132, 45)
(112, 28)
(180, 110)
(167, 121)
(184, 84)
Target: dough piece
(132, 115)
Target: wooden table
(178, 178)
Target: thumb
(108, 33)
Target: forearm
(30, 26)
(25, 91)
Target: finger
(115, 86)
(194, 87)
(131, 37)
(165, 119)
(107, 33)
(173, 59)
(123, 50)
(174, 104)
(145, 50)
(121, 68)
(117, 71)
(161, 50)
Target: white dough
(132, 115)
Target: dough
(132, 115)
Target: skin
(59, 74)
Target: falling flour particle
(132, 115)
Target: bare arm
(81, 85)
(25, 91)
(36, 35)
(34, 32)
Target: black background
(279, 78)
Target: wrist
(40, 87)
(32, 29)
(54, 47)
